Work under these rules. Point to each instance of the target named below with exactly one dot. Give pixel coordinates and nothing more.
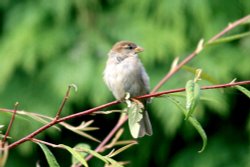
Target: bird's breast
(124, 77)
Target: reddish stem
(197, 50)
(30, 136)
(63, 103)
(230, 27)
(10, 124)
(120, 122)
(86, 112)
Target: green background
(47, 45)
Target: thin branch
(203, 88)
(44, 142)
(10, 124)
(4, 151)
(198, 50)
(63, 102)
(120, 122)
(230, 27)
(178, 67)
(86, 112)
(114, 140)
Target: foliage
(45, 46)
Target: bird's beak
(138, 49)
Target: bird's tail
(145, 125)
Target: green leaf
(193, 121)
(81, 128)
(228, 39)
(41, 120)
(204, 76)
(200, 130)
(80, 146)
(122, 149)
(97, 155)
(134, 117)
(192, 97)
(49, 156)
(84, 148)
(105, 159)
(243, 90)
(37, 117)
(113, 162)
(75, 154)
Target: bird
(124, 73)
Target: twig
(203, 88)
(10, 124)
(86, 112)
(197, 50)
(230, 27)
(114, 140)
(178, 67)
(63, 102)
(44, 142)
(124, 119)
(120, 122)
(64, 124)
(112, 132)
(3, 154)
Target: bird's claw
(127, 99)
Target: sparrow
(124, 73)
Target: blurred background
(47, 45)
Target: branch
(44, 142)
(28, 137)
(203, 88)
(178, 67)
(120, 122)
(86, 112)
(10, 124)
(198, 50)
(64, 101)
(229, 27)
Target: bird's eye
(130, 47)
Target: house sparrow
(124, 73)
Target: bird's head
(126, 49)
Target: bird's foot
(127, 99)
(139, 103)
